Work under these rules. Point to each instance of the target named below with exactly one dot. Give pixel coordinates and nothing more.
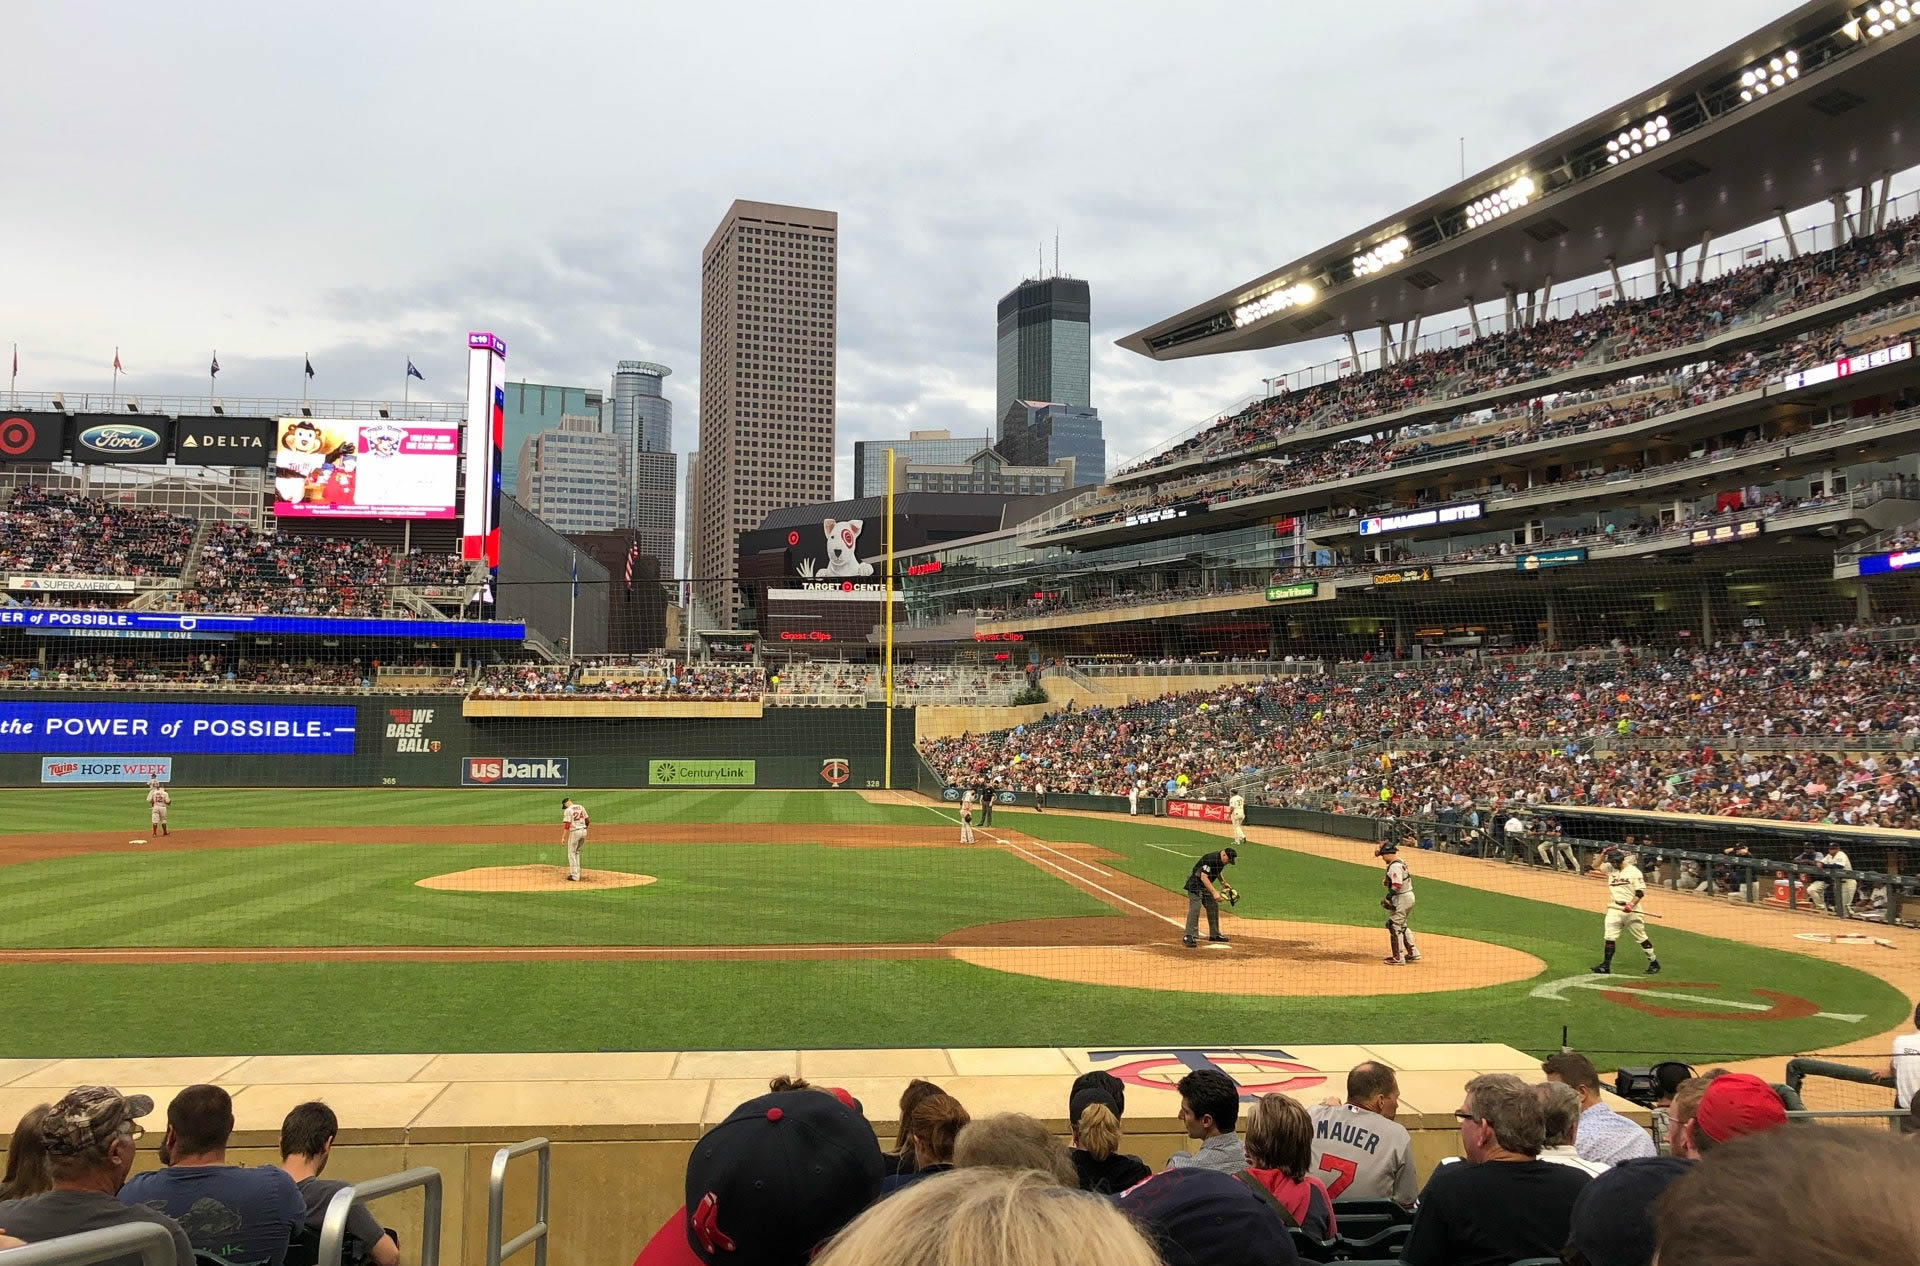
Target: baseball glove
(1386, 903)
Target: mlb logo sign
(835, 770)
(513, 771)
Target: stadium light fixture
(1496, 204)
(1638, 140)
(1883, 18)
(1279, 300)
(1385, 255)
(1763, 77)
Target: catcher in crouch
(1397, 902)
(1626, 889)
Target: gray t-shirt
(55, 1213)
(363, 1229)
(244, 1215)
(1361, 1155)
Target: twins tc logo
(835, 770)
(1255, 1071)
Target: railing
(536, 1234)
(153, 1242)
(185, 687)
(1208, 668)
(333, 1227)
(817, 699)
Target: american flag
(633, 553)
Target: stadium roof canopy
(1737, 149)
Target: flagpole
(116, 376)
(573, 599)
(304, 380)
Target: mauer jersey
(1361, 1155)
(1626, 885)
(1399, 880)
(575, 817)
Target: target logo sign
(18, 436)
(1256, 1071)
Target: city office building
(689, 543)
(1033, 433)
(532, 407)
(870, 457)
(986, 471)
(767, 371)
(639, 412)
(573, 477)
(1044, 345)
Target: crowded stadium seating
(1819, 728)
(1675, 319)
(240, 570)
(51, 533)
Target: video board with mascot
(337, 468)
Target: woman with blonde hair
(931, 1128)
(987, 1217)
(27, 1173)
(1096, 1153)
(1279, 1140)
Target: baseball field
(318, 921)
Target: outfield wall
(395, 740)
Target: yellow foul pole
(886, 655)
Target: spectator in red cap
(771, 1183)
(1735, 1105)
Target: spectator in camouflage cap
(90, 1137)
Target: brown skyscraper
(767, 294)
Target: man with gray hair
(90, 1138)
(1504, 1203)
(1560, 1114)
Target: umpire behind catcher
(1203, 892)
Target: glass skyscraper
(640, 414)
(1037, 434)
(1045, 344)
(534, 407)
(920, 447)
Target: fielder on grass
(573, 828)
(158, 798)
(1626, 889)
(1237, 814)
(1397, 902)
(966, 816)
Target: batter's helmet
(1614, 856)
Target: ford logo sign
(120, 437)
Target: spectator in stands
(1504, 1203)
(1361, 1143)
(988, 1217)
(1731, 1107)
(900, 1160)
(1013, 1140)
(1199, 1217)
(1902, 1069)
(243, 1215)
(771, 1184)
(1613, 1218)
(1680, 1115)
(1280, 1156)
(1560, 1113)
(90, 1137)
(1605, 1136)
(1210, 1108)
(1096, 1153)
(27, 1173)
(306, 1145)
(1809, 1196)
(932, 1128)
(1107, 1084)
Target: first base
(136, 841)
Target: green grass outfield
(755, 893)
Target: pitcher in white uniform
(573, 822)
(158, 798)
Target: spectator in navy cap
(1613, 1218)
(1201, 1217)
(771, 1183)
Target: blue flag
(414, 373)
(576, 575)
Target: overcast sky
(364, 183)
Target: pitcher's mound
(532, 879)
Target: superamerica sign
(174, 728)
(43, 620)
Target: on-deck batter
(573, 824)
(966, 816)
(1397, 902)
(1626, 889)
(1237, 814)
(158, 798)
